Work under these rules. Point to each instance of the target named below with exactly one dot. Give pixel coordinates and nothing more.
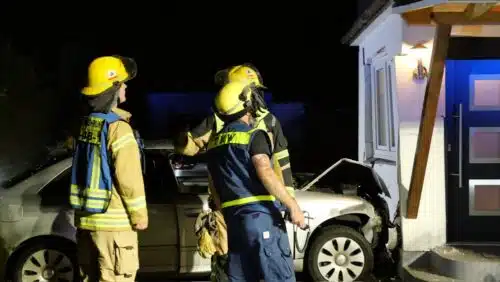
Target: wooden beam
(420, 17)
(449, 7)
(475, 10)
(487, 18)
(427, 17)
(427, 120)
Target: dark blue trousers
(258, 247)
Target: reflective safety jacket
(107, 190)
(198, 138)
(231, 169)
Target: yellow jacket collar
(122, 113)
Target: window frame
(389, 151)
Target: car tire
(328, 260)
(49, 259)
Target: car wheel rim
(341, 259)
(47, 266)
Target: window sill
(390, 156)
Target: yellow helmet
(246, 73)
(106, 72)
(233, 98)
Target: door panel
(158, 243)
(473, 136)
(189, 206)
(159, 251)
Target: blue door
(473, 150)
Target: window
(192, 175)
(383, 105)
(56, 192)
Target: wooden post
(427, 120)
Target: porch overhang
(455, 14)
(443, 16)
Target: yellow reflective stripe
(95, 222)
(122, 141)
(96, 168)
(242, 138)
(261, 125)
(281, 154)
(247, 200)
(290, 191)
(112, 218)
(219, 124)
(285, 166)
(136, 203)
(90, 198)
(75, 200)
(238, 138)
(91, 192)
(110, 213)
(89, 203)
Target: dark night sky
(179, 48)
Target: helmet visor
(221, 77)
(130, 66)
(257, 73)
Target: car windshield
(49, 160)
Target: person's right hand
(297, 217)
(141, 226)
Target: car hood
(335, 204)
(346, 170)
(320, 207)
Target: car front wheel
(339, 254)
(45, 261)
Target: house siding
(385, 37)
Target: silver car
(348, 222)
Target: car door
(191, 200)
(159, 250)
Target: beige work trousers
(105, 256)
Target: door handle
(460, 144)
(192, 212)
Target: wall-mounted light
(420, 71)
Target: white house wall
(385, 36)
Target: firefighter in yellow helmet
(245, 187)
(107, 188)
(196, 139)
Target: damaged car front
(350, 227)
